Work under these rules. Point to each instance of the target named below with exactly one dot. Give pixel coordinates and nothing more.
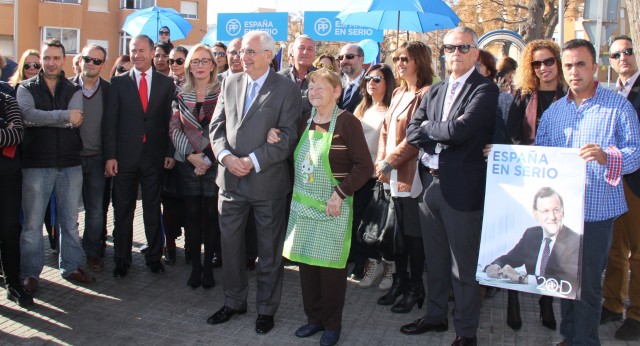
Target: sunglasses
(548, 62)
(462, 48)
(29, 65)
(178, 61)
(375, 79)
(327, 66)
(218, 54)
(164, 33)
(348, 56)
(404, 59)
(88, 59)
(121, 69)
(617, 55)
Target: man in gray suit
(254, 176)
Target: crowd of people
(260, 166)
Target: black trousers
(149, 176)
(10, 201)
(323, 294)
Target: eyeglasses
(250, 52)
(178, 61)
(28, 65)
(164, 33)
(404, 59)
(323, 65)
(618, 55)
(547, 212)
(375, 79)
(121, 69)
(219, 54)
(548, 62)
(462, 48)
(88, 59)
(348, 56)
(203, 62)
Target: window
(6, 45)
(103, 43)
(70, 38)
(65, 2)
(189, 9)
(99, 5)
(124, 42)
(136, 4)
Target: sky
(241, 6)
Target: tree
(633, 13)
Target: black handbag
(379, 229)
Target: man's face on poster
(549, 214)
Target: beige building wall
(34, 15)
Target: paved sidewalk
(159, 309)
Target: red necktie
(142, 90)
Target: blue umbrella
(211, 37)
(149, 21)
(410, 15)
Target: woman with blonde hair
(539, 82)
(195, 162)
(28, 67)
(326, 61)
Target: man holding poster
(604, 126)
(550, 250)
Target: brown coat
(404, 157)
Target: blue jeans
(37, 185)
(93, 182)
(581, 318)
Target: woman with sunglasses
(379, 84)
(28, 67)
(219, 50)
(176, 61)
(195, 163)
(397, 167)
(121, 66)
(539, 82)
(326, 61)
(164, 36)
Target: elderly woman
(195, 161)
(397, 167)
(379, 84)
(331, 162)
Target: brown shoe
(30, 285)
(96, 264)
(80, 276)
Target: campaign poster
(533, 220)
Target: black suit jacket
(126, 124)
(563, 261)
(468, 128)
(353, 102)
(288, 72)
(633, 179)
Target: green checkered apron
(313, 237)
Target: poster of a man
(550, 250)
(532, 242)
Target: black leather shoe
(629, 330)
(546, 312)
(420, 326)
(18, 294)
(216, 261)
(120, 270)
(414, 294)
(609, 316)
(464, 341)
(264, 323)
(308, 330)
(514, 320)
(330, 337)
(156, 267)
(224, 314)
(396, 290)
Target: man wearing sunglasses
(604, 127)
(302, 52)
(351, 59)
(453, 123)
(625, 247)
(95, 93)
(52, 109)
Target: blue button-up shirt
(606, 119)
